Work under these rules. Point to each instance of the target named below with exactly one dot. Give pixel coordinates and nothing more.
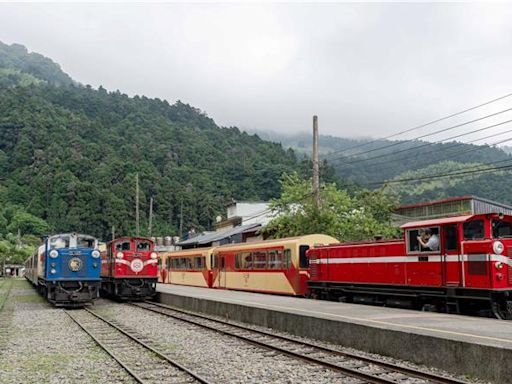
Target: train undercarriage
(69, 293)
(129, 288)
(482, 302)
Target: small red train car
(129, 268)
(455, 264)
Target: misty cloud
(365, 69)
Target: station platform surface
(475, 346)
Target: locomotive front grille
(74, 265)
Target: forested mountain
(18, 65)
(69, 155)
(409, 159)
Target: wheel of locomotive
(502, 309)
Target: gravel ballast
(43, 345)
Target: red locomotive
(456, 264)
(129, 268)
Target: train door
(424, 257)
(221, 270)
(451, 256)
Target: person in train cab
(428, 240)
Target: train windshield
(59, 241)
(123, 245)
(501, 228)
(85, 242)
(474, 230)
(143, 245)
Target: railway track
(137, 355)
(366, 369)
(5, 286)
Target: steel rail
(367, 378)
(431, 377)
(174, 363)
(7, 292)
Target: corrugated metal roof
(452, 199)
(435, 222)
(216, 236)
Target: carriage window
(501, 228)
(199, 262)
(287, 258)
(474, 230)
(244, 260)
(451, 238)
(303, 260)
(423, 239)
(123, 246)
(260, 260)
(59, 242)
(143, 246)
(275, 259)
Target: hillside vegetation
(69, 155)
(410, 159)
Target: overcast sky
(365, 69)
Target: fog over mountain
(365, 69)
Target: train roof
(436, 222)
(325, 239)
(131, 237)
(189, 252)
(72, 234)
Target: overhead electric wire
(443, 175)
(455, 155)
(453, 145)
(424, 125)
(424, 144)
(414, 139)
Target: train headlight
(53, 271)
(54, 253)
(154, 255)
(499, 265)
(119, 255)
(498, 247)
(95, 253)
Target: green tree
(358, 217)
(27, 224)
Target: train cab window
(303, 260)
(59, 242)
(423, 240)
(474, 230)
(123, 246)
(143, 245)
(501, 228)
(451, 238)
(85, 242)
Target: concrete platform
(477, 347)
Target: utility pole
(137, 204)
(316, 169)
(113, 232)
(181, 219)
(150, 215)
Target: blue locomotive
(65, 269)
